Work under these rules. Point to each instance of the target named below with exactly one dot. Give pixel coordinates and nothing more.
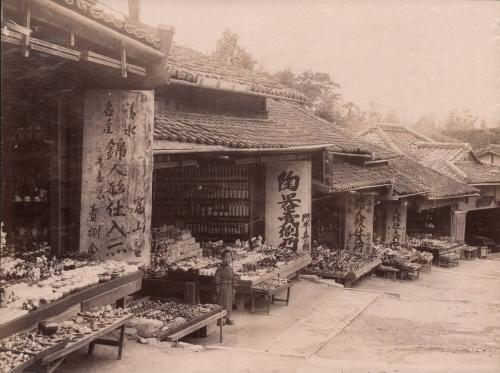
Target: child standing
(226, 281)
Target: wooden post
(134, 10)
(124, 62)
(27, 24)
(58, 183)
(117, 165)
(158, 67)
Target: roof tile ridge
(457, 170)
(190, 113)
(449, 145)
(387, 140)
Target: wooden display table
(269, 294)
(437, 251)
(197, 325)
(354, 276)
(388, 272)
(51, 362)
(449, 259)
(288, 271)
(347, 279)
(95, 295)
(426, 264)
(469, 252)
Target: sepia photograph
(250, 186)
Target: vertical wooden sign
(115, 219)
(288, 205)
(395, 233)
(359, 222)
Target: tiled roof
(342, 177)
(492, 148)
(455, 160)
(399, 138)
(286, 125)
(407, 177)
(142, 33)
(452, 152)
(193, 67)
(480, 173)
(438, 185)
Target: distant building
(490, 154)
(455, 160)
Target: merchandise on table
(10, 360)
(172, 314)
(430, 242)
(402, 258)
(35, 342)
(272, 284)
(248, 264)
(171, 244)
(29, 293)
(338, 262)
(32, 342)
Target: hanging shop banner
(288, 204)
(117, 172)
(395, 232)
(359, 222)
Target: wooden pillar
(458, 223)
(396, 216)
(117, 173)
(359, 221)
(134, 10)
(58, 182)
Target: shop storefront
(64, 134)
(375, 213)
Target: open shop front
(436, 230)
(343, 226)
(204, 204)
(482, 219)
(360, 223)
(483, 229)
(60, 286)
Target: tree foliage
(229, 50)
(460, 120)
(319, 88)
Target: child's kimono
(226, 282)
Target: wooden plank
(192, 328)
(112, 295)
(82, 342)
(59, 306)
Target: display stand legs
(106, 342)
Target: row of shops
(129, 164)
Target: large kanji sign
(288, 204)
(117, 171)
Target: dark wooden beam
(27, 10)
(123, 61)
(61, 17)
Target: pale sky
(417, 57)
